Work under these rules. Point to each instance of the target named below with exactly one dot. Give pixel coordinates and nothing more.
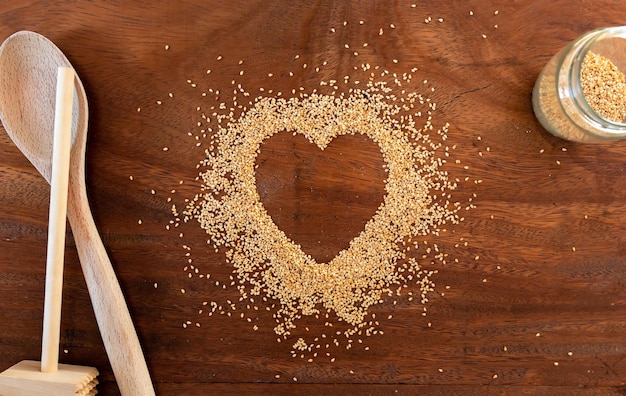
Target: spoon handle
(56, 220)
(114, 321)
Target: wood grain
(529, 291)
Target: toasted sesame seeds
(604, 87)
(227, 206)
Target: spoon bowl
(27, 87)
(28, 69)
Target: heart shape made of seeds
(266, 261)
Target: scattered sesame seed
(167, 47)
(237, 229)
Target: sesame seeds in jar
(580, 95)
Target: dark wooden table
(541, 311)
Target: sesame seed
(241, 230)
(604, 87)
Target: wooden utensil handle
(116, 327)
(57, 219)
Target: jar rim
(585, 44)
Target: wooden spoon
(28, 69)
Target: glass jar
(558, 99)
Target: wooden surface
(530, 301)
